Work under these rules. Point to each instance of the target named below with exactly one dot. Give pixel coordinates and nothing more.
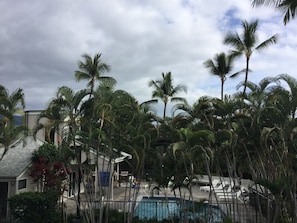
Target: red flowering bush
(47, 171)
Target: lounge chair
(241, 195)
(216, 184)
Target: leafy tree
(246, 43)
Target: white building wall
(31, 121)
(30, 185)
(31, 118)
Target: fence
(170, 208)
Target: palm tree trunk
(246, 74)
(164, 111)
(222, 88)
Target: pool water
(160, 208)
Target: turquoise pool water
(165, 208)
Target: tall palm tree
(165, 90)
(221, 66)
(69, 103)
(247, 43)
(63, 118)
(288, 7)
(91, 69)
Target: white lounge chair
(216, 184)
(241, 195)
(227, 188)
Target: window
(22, 184)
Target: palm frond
(268, 42)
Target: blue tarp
(104, 177)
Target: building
(15, 167)
(14, 171)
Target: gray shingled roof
(18, 157)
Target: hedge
(35, 207)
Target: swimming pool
(160, 208)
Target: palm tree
(247, 43)
(69, 103)
(220, 66)
(8, 134)
(14, 102)
(256, 99)
(91, 69)
(63, 116)
(52, 125)
(165, 90)
(118, 122)
(288, 7)
(10, 105)
(292, 92)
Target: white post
(112, 168)
(96, 182)
(118, 172)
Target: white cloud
(41, 42)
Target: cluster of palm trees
(251, 134)
(244, 44)
(98, 118)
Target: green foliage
(35, 207)
(48, 151)
(10, 105)
(114, 216)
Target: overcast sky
(41, 43)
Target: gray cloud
(42, 41)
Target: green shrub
(35, 207)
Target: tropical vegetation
(251, 135)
